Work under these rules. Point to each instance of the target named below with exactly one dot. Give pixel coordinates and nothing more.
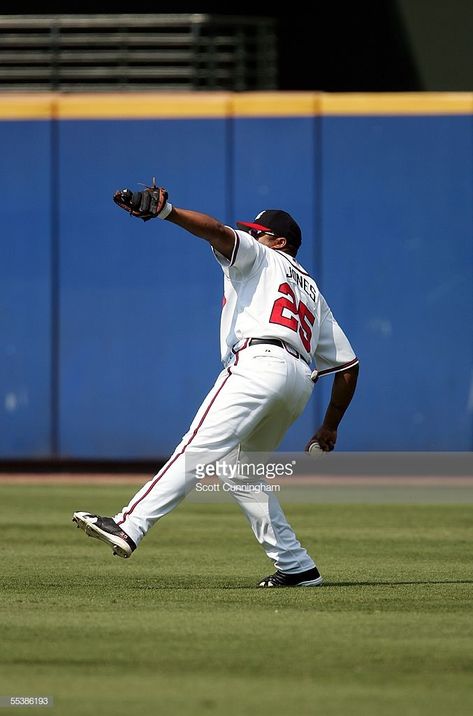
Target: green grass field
(180, 629)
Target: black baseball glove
(146, 204)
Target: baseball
(315, 450)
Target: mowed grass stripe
(180, 629)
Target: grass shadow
(396, 583)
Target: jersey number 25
(297, 317)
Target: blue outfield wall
(397, 242)
(109, 326)
(25, 290)
(140, 302)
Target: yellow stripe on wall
(397, 103)
(26, 106)
(157, 105)
(276, 104)
(201, 105)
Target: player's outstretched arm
(221, 237)
(152, 203)
(343, 389)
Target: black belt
(277, 342)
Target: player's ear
(280, 243)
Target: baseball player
(275, 324)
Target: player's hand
(326, 437)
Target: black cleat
(309, 578)
(106, 530)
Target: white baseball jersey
(257, 396)
(268, 294)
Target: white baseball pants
(249, 409)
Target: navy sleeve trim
(338, 368)
(235, 249)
